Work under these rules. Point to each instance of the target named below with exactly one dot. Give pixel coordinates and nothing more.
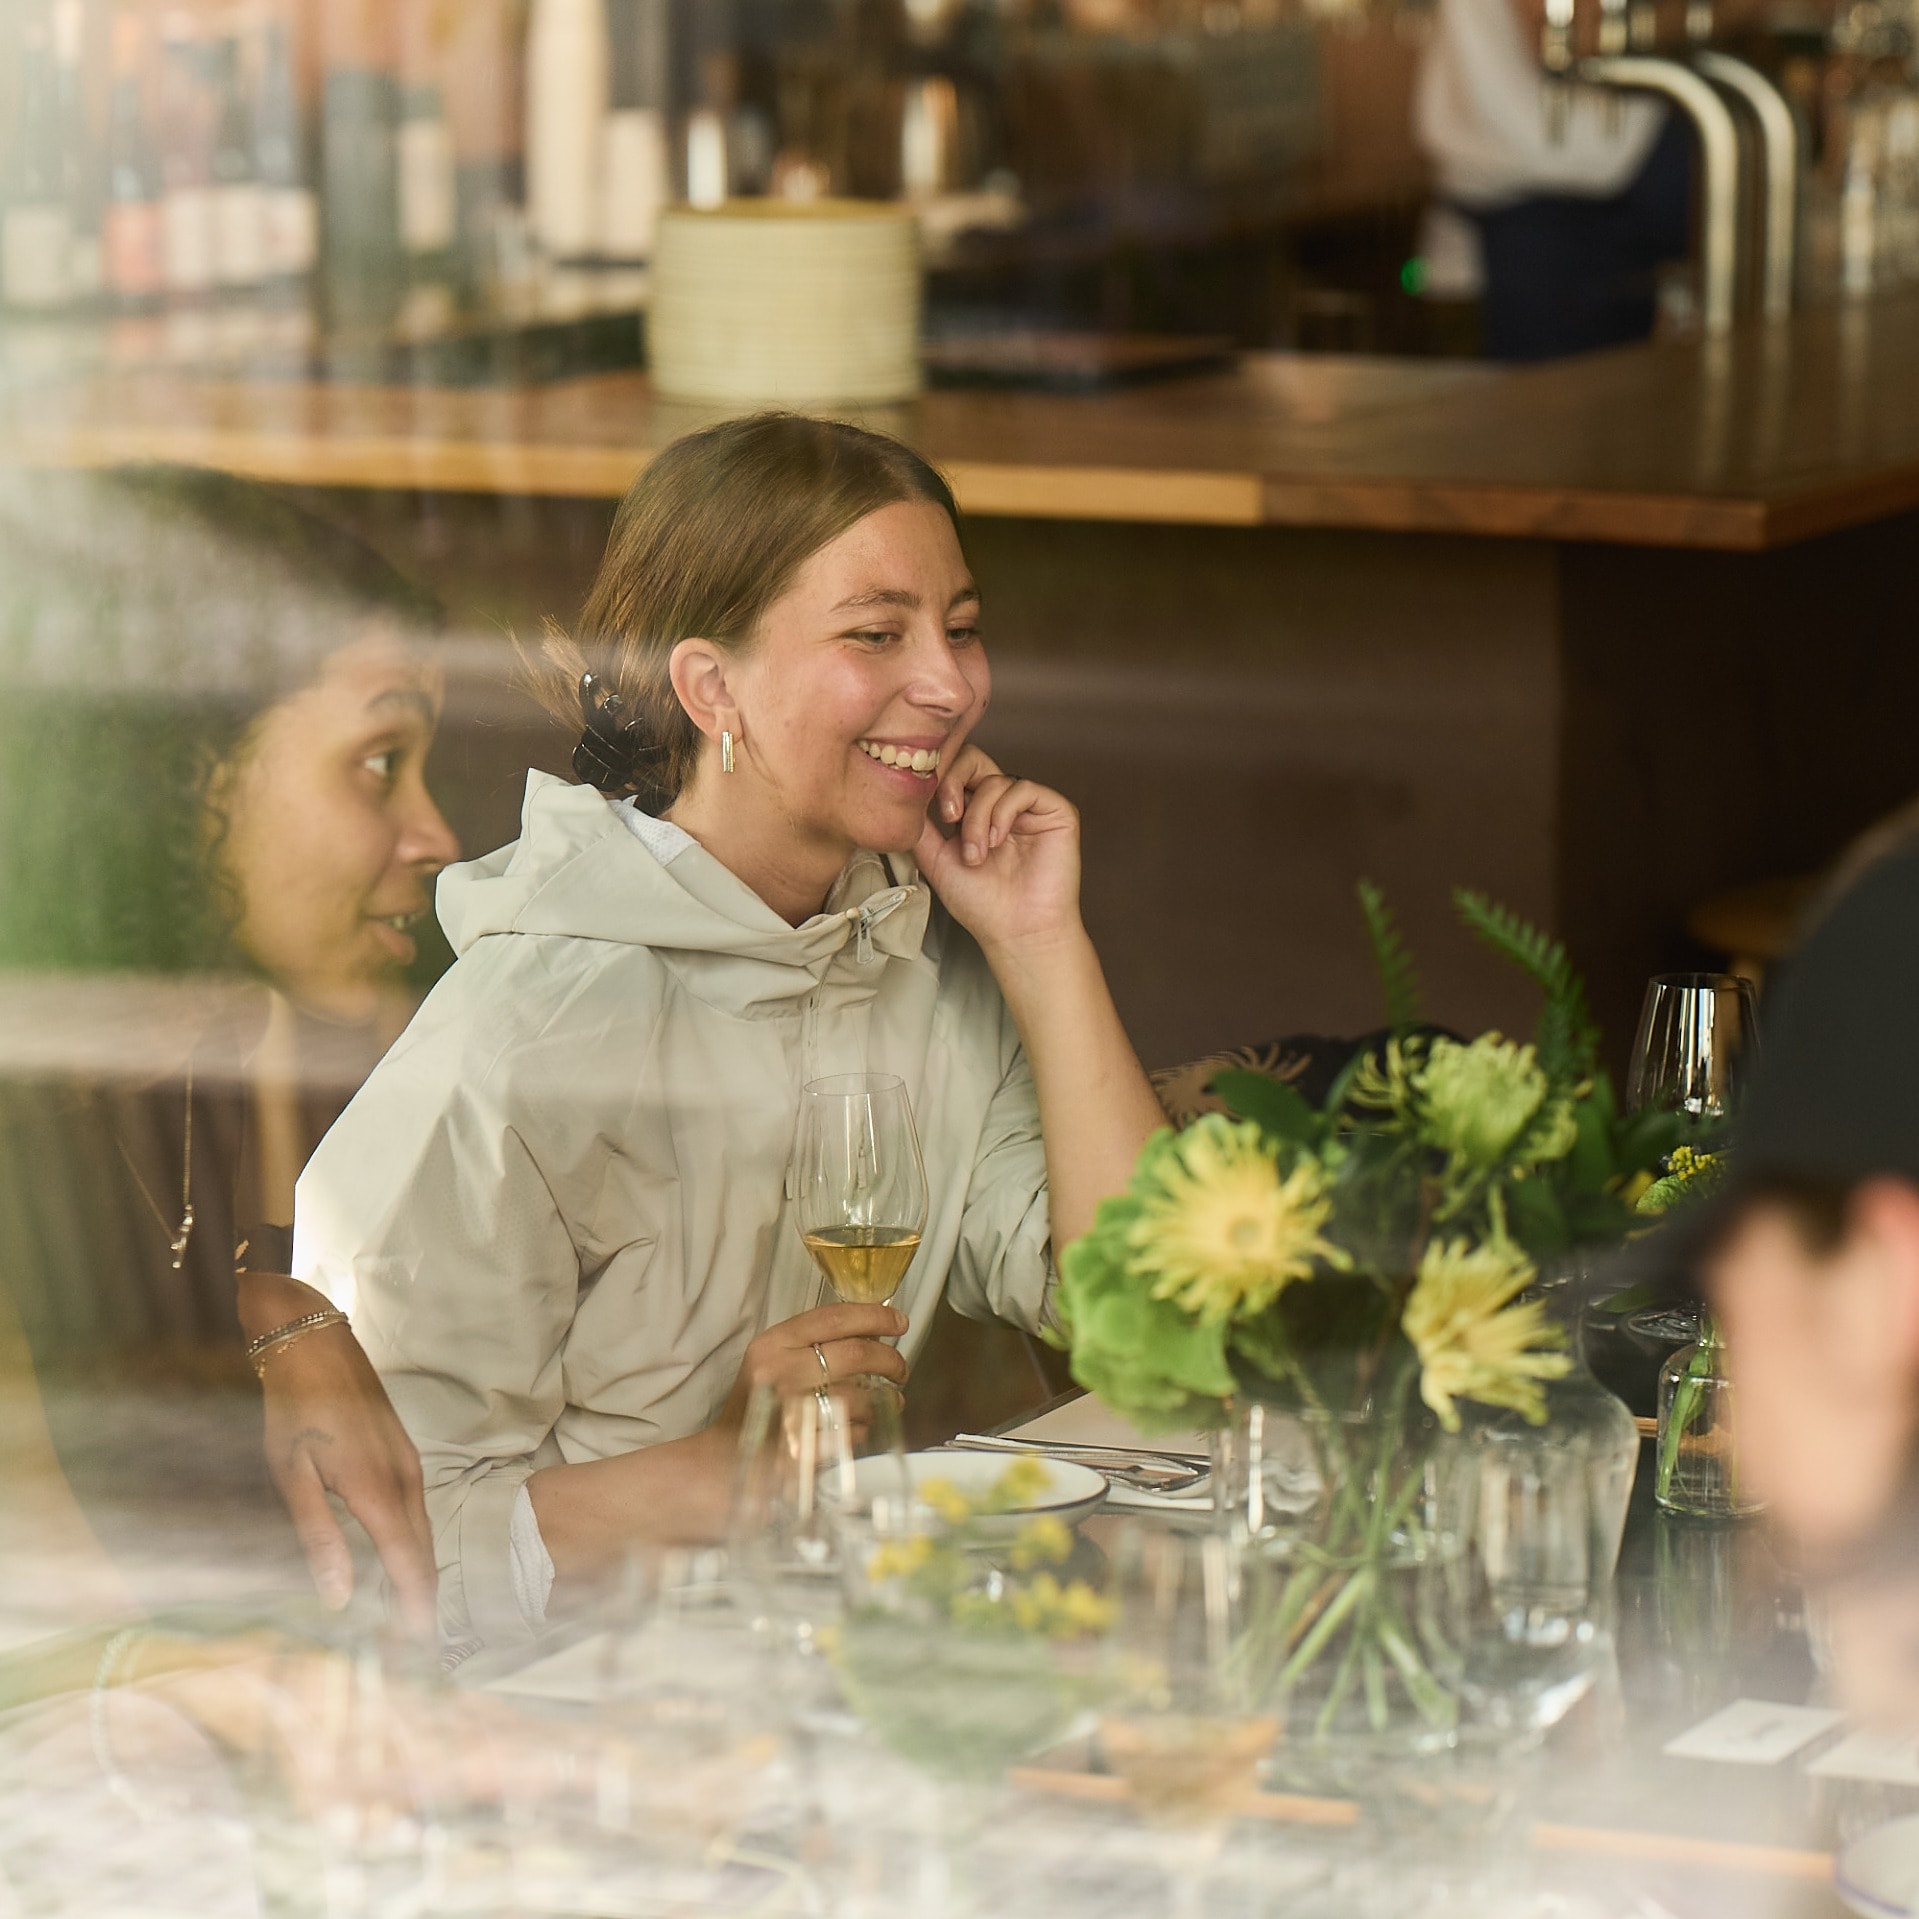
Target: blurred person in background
(215, 840)
(1813, 1271)
(1575, 197)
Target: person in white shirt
(1575, 203)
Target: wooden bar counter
(1602, 637)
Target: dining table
(1706, 1771)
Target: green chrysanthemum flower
(1220, 1230)
(1478, 1100)
(1473, 1343)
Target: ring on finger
(826, 1371)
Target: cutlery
(1146, 1472)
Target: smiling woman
(558, 1211)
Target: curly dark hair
(148, 617)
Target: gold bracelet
(263, 1348)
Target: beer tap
(1719, 164)
(1779, 159)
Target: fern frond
(1567, 1041)
(1398, 977)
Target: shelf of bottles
(265, 182)
(261, 183)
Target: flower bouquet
(1357, 1270)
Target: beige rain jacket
(556, 1211)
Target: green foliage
(1425, 1146)
(1398, 977)
(1567, 1040)
(1274, 1107)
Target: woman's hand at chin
(1010, 872)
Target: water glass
(1519, 1621)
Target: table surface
(1706, 1615)
(1771, 435)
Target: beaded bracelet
(262, 1349)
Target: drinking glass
(813, 1468)
(1519, 1621)
(1179, 1726)
(1696, 1044)
(859, 1186)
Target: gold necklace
(182, 1234)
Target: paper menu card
(1887, 1758)
(1087, 1421)
(1753, 1732)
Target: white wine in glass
(859, 1184)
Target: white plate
(1878, 1875)
(1069, 1493)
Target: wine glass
(1696, 1044)
(1179, 1727)
(859, 1185)
(1694, 1048)
(1518, 1619)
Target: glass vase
(1697, 1471)
(1340, 1520)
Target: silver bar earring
(726, 752)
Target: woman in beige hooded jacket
(557, 1212)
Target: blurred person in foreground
(215, 833)
(1812, 1266)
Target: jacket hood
(577, 871)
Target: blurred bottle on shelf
(132, 263)
(360, 243)
(707, 171)
(568, 82)
(36, 234)
(187, 243)
(78, 150)
(480, 61)
(289, 208)
(429, 195)
(239, 198)
(635, 181)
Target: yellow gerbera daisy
(1220, 1230)
(1473, 1343)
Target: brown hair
(707, 538)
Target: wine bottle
(35, 232)
(239, 212)
(186, 162)
(80, 171)
(290, 212)
(359, 126)
(567, 91)
(428, 203)
(635, 181)
(130, 223)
